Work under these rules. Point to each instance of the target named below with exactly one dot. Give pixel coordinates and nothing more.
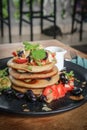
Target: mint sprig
(70, 74)
(35, 52)
(39, 54)
(29, 46)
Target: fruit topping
(19, 95)
(30, 96)
(20, 60)
(20, 53)
(33, 54)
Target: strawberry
(20, 60)
(14, 53)
(61, 90)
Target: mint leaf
(38, 54)
(70, 74)
(29, 46)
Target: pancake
(23, 90)
(27, 75)
(35, 83)
(30, 68)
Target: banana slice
(5, 83)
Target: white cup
(60, 52)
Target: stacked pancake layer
(36, 79)
(32, 68)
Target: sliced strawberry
(14, 53)
(69, 87)
(61, 90)
(55, 91)
(54, 87)
(20, 60)
(50, 93)
(47, 91)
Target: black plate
(16, 106)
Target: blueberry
(19, 95)
(33, 99)
(62, 76)
(8, 91)
(66, 81)
(42, 98)
(29, 59)
(77, 91)
(30, 95)
(46, 56)
(20, 53)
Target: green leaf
(38, 54)
(29, 46)
(70, 74)
(3, 72)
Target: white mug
(60, 52)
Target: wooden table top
(6, 49)
(73, 119)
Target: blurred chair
(5, 20)
(79, 15)
(36, 14)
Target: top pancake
(31, 68)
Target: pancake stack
(32, 77)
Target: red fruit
(14, 53)
(47, 90)
(69, 87)
(61, 90)
(55, 91)
(20, 60)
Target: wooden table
(75, 119)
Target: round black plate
(23, 107)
